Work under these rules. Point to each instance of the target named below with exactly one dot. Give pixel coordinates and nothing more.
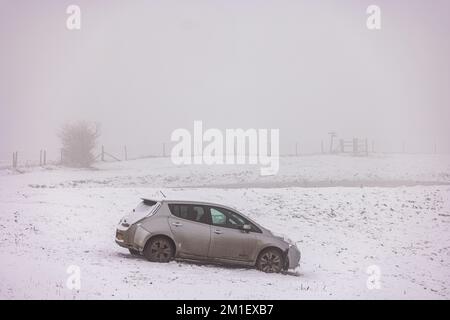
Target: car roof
(205, 203)
(186, 202)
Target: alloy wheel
(270, 261)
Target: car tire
(134, 252)
(270, 260)
(159, 249)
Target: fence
(354, 147)
(26, 159)
(358, 147)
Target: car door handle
(217, 231)
(177, 224)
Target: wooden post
(126, 154)
(45, 157)
(62, 155)
(355, 145)
(332, 134)
(40, 157)
(103, 153)
(15, 160)
(331, 144)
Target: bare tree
(78, 142)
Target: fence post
(125, 151)
(40, 157)
(45, 157)
(355, 145)
(62, 155)
(15, 159)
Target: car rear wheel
(159, 249)
(270, 260)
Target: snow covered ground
(307, 171)
(345, 213)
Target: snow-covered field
(345, 213)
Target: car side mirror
(246, 227)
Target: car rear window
(196, 213)
(144, 209)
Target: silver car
(162, 230)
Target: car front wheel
(270, 260)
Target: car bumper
(121, 239)
(293, 255)
(133, 237)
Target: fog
(145, 68)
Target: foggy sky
(144, 68)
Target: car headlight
(285, 239)
(289, 241)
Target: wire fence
(110, 153)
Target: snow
(307, 171)
(345, 214)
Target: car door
(228, 240)
(190, 226)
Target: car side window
(179, 210)
(199, 214)
(218, 218)
(235, 220)
(195, 213)
(229, 219)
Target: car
(162, 230)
